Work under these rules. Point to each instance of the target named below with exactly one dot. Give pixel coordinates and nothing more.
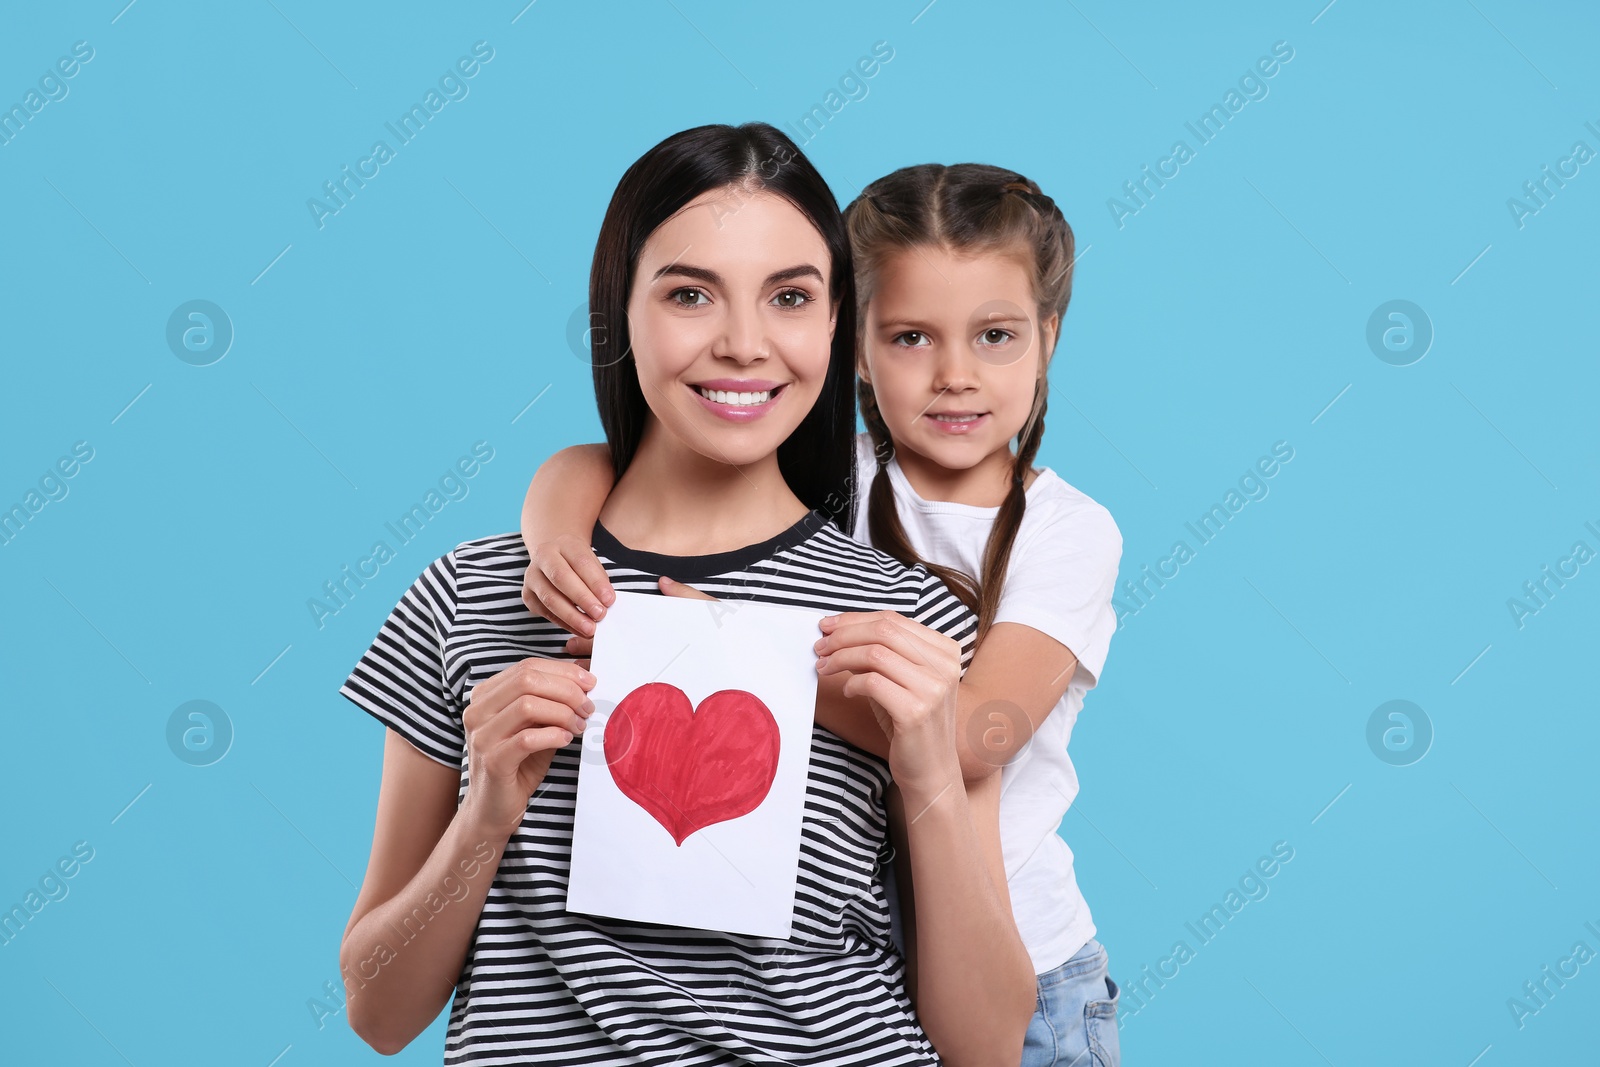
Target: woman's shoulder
(831, 547)
(858, 577)
(496, 551)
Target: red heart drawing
(692, 767)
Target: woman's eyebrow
(789, 274)
(711, 277)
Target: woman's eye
(791, 298)
(996, 336)
(911, 339)
(687, 297)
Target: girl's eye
(911, 339)
(792, 298)
(996, 336)
(688, 297)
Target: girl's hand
(566, 584)
(583, 647)
(514, 722)
(909, 674)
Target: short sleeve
(401, 679)
(1061, 579)
(940, 609)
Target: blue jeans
(1075, 1024)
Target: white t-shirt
(1060, 581)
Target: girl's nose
(955, 371)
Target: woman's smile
(738, 399)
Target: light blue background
(1229, 313)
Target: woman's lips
(739, 412)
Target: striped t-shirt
(542, 985)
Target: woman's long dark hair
(817, 458)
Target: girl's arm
(970, 975)
(1017, 675)
(565, 582)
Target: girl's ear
(1049, 328)
(833, 318)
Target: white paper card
(699, 776)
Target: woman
(722, 291)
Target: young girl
(963, 275)
(714, 272)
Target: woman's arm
(1017, 675)
(983, 802)
(565, 582)
(432, 863)
(421, 847)
(970, 975)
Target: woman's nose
(743, 336)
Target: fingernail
(596, 610)
(585, 675)
(822, 662)
(818, 646)
(588, 708)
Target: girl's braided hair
(967, 207)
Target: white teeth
(958, 418)
(723, 396)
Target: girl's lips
(956, 428)
(739, 412)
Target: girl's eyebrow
(711, 277)
(902, 322)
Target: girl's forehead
(951, 281)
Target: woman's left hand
(909, 674)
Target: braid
(883, 518)
(1003, 536)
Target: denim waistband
(1088, 958)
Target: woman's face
(953, 349)
(730, 323)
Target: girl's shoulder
(1061, 517)
(1055, 506)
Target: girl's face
(730, 323)
(953, 349)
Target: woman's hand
(566, 584)
(910, 675)
(514, 722)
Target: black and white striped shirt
(542, 985)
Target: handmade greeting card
(692, 781)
